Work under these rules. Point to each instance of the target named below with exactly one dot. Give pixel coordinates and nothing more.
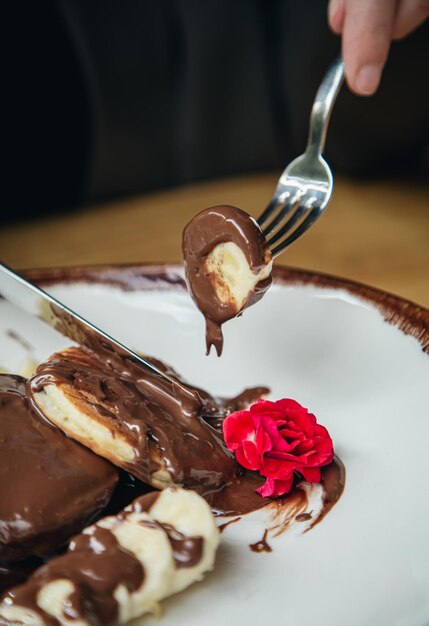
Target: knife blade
(33, 300)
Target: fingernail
(368, 78)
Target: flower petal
(249, 455)
(237, 427)
(311, 474)
(274, 488)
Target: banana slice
(234, 282)
(121, 567)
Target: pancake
(51, 487)
(122, 566)
(139, 421)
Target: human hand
(367, 28)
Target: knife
(33, 300)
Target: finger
(410, 14)
(367, 33)
(336, 15)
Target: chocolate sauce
(333, 481)
(145, 410)
(117, 358)
(50, 486)
(145, 503)
(96, 564)
(124, 396)
(222, 527)
(208, 229)
(127, 489)
(262, 545)
(187, 551)
(294, 506)
(217, 408)
(240, 497)
(214, 409)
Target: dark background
(105, 98)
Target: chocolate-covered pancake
(50, 486)
(228, 266)
(134, 418)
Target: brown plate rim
(409, 317)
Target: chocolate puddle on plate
(294, 507)
(262, 545)
(241, 498)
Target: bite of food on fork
(229, 256)
(228, 266)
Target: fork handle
(323, 105)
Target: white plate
(326, 343)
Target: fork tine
(285, 210)
(289, 224)
(274, 203)
(309, 172)
(315, 212)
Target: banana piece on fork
(228, 266)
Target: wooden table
(376, 233)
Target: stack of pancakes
(66, 435)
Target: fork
(305, 187)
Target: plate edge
(409, 317)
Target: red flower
(278, 439)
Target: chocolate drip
(96, 564)
(148, 412)
(262, 545)
(214, 333)
(208, 229)
(50, 486)
(187, 551)
(222, 527)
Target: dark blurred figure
(112, 97)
